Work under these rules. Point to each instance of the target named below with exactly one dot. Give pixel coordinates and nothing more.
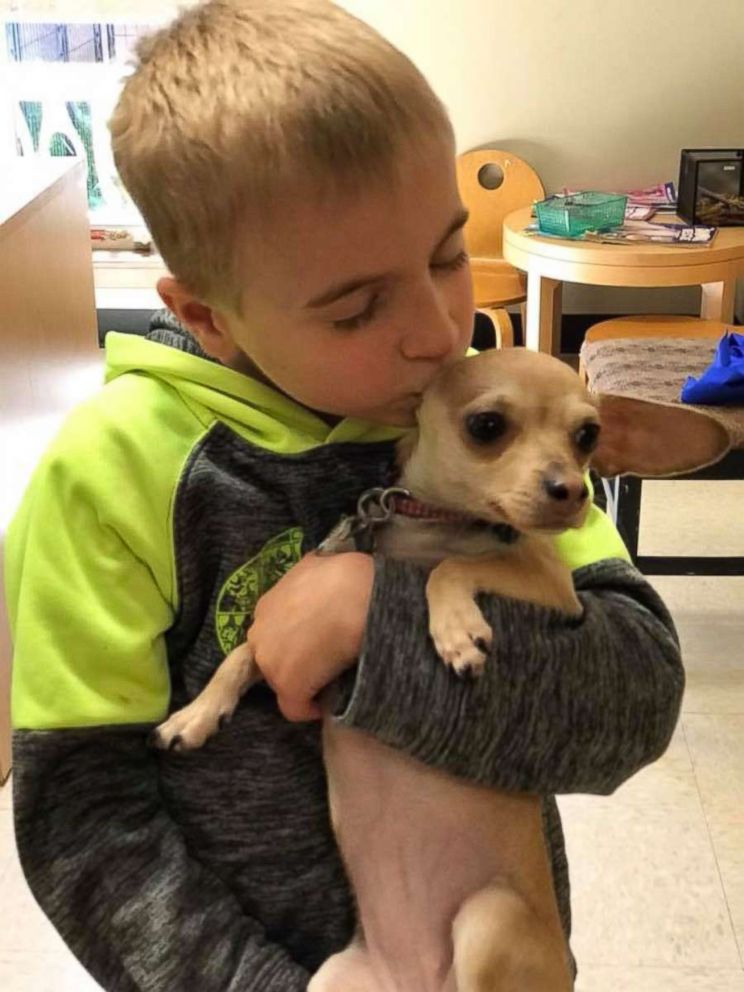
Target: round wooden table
(549, 262)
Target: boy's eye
(359, 319)
(460, 259)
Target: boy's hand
(308, 628)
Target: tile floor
(657, 868)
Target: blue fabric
(722, 383)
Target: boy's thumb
(299, 710)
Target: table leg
(544, 311)
(717, 302)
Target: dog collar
(409, 506)
(377, 506)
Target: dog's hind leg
(503, 945)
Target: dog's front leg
(189, 728)
(456, 625)
(529, 570)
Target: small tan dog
(497, 466)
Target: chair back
(492, 183)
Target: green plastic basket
(571, 216)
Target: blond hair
(240, 102)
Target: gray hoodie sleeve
(112, 871)
(562, 706)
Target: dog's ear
(639, 437)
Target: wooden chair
(492, 183)
(650, 357)
(491, 330)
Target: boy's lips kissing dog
(497, 464)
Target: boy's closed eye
(360, 317)
(364, 314)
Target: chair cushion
(655, 369)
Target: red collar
(409, 506)
(376, 506)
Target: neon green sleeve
(89, 566)
(596, 540)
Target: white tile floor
(657, 868)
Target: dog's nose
(562, 491)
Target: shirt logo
(242, 590)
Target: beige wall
(593, 93)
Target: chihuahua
(497, 467)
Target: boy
(297, 174)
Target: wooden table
(49, 355)
(549, 262)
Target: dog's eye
(586, 437)
(486, 427)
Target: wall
(593, 93)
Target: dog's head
(509, 435)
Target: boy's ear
(639, 437)
(198, 317)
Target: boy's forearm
(561, 706)
(111, 870)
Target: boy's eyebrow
(351, 285)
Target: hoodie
(166, 506)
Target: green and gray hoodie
(165, 507)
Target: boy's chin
(396, 417)
(399, 413)
(382, 418)
(402, 420)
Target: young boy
(297, 174)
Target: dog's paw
(461, 636)
(189, 728)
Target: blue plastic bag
(722, 383)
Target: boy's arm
(101, 854)
(562, 706)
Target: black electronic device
(711, 186)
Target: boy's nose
(433, 335)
